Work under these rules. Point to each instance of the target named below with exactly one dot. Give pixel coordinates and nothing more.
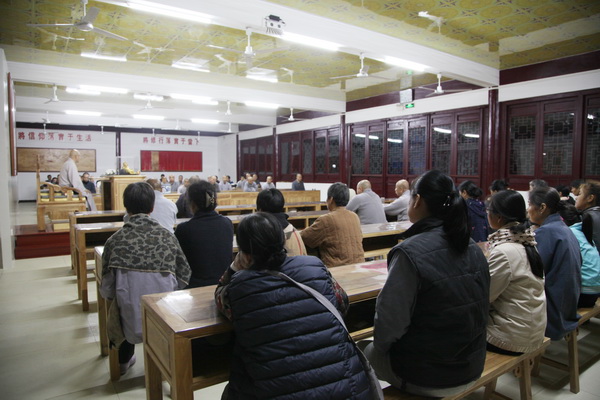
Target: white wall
(7, 182)
(104, 144)
(228, 156)
(133, 143)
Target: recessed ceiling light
(85, 113)
(205, 121)
(83, 91)
(148, 97)
(260, 104)
(309, 41)
(153, 117)
(104, 89)
(103, 57)
(174, 12)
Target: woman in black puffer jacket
(288, 346)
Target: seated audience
(537, 183)
(272, 201)
(214, 182)
(287, 344)
(224, 185)
(241, 183)
(256, 180)
(182, 203)
(575, 187)
(590, 265)
(337, 234)
(49, 178)
(54, 181)
(367, 205)
(174, 184)
(250, 185)
(498, 185)
(517, 320)
(165, 185)
(431, 315)
(268, 184)
(298, 184)
(183, 187)
(565, 194)
(588, 202)
(207, 238)
(400, 205)
(478, 221)
(88, 184)
(561, 257)
(141, 258)
(165, 211)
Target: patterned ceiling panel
(497, 33)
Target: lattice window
(285, 158)
(416, 150)
(395, 151)
(558, 143)
(441, 148)
(334, 153)
(307, 154)
(592, 148)
(522, 145)
(320, 154)
(376, 152)
(358, 153)
(468, 148)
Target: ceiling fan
(149, 106)
(439, 89)
(86, 23)
(249, 53)
(291, 118)
(54, 98)
(363, 72)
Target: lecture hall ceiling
(484, 35)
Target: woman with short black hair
(561, 258)
(431, 315)
(288, 345)
(207, 238)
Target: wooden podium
(112, 190)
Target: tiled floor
(49, 348)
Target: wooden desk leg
(153, 378)
(83, 283)
(490, 389)
(102, 313)
(523, 372)
(181, 372)
(573, 355)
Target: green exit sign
(409, 105)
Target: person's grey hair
(155, 183)
(340, 194)
(194, 179)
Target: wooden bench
(56, 202)
(572, 365)
(496, 365)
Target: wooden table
(377, 240)
(250, 208)
(172, 320)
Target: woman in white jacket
(517, 300)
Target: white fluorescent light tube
(260, 104)
(442, 130)
(207, 102)
(178, 96)
(153, 117)
(85, 113)
(146, 97)
(83, 91)
(174, 12)
(191, 67)
(361, 135)
(404, 63)
(373, 137)
(309, 41)
(101, 57)
(263, 78)
(472, 135)
(395, 140)
(205, 121)
(104, 89)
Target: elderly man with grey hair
(399, 206)
(183, 210)
(367, 204)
